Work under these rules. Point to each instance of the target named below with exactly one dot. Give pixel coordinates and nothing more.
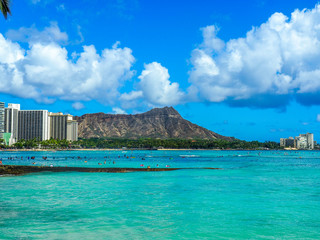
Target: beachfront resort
(303, 141)
(17, 124)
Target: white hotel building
(36, 124)
(33, 124)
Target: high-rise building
(310, 140)
(287, 142)
(63, 127)
(33, 124)
(72, 130)
(1, 119)
(58, 126)
(11, 121)
(303, 141)
(16, 124)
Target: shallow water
(257, 195)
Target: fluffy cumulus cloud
(44, 71)
(156, 87)
(273, 63)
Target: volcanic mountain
(157, 123)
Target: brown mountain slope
(157, 123)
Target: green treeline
(148, 143)
(143, 143)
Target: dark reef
(19, 169)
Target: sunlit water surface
(256, 195)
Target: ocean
(255, 195)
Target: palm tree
(4, 7)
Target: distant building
(1, 119)
(16, 124)
(63, 127)
(282, 142)
(33, 124)
(287, 142)
(11, 122)
(72, 130)
(303, 141)
(309, 140)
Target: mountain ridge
(156, 123)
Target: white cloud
(78, 105)
(118, 111)
(157, 88)
(80, 34)
(210, 40)
(44, 71)
(280, 57)
(273, 62)
(154, 89)
(32, 35)
(133, 95)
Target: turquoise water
(256, 195)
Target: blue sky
(248, 69)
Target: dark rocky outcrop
(157, 123)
